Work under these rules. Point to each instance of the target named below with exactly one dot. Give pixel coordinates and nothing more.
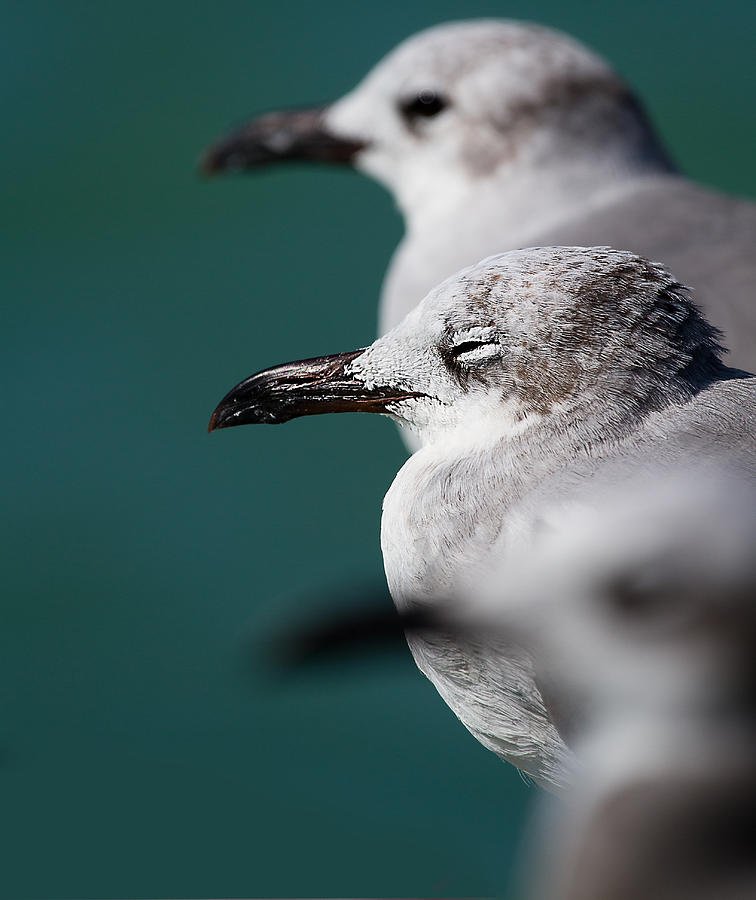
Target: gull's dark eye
(424, 105)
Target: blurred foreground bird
(494, 135)
(536, 381)
(641, 620)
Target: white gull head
(494, 135)
(460, 107)
(534, 333)
(464, 102)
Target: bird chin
(416, 417)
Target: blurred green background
(139, 755)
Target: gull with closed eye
(494, 135)
(531, 381)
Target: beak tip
(227, 415)
(221, 161)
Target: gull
(495, 135)
(531, 380)
(642, 615)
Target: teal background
(139, 755)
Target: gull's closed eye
(475, 351)
(466, 346)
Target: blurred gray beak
(305, 388)
(276, 137)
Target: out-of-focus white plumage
(540, 143)
(640, 616)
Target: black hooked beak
(278, 136)
(305, 388)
